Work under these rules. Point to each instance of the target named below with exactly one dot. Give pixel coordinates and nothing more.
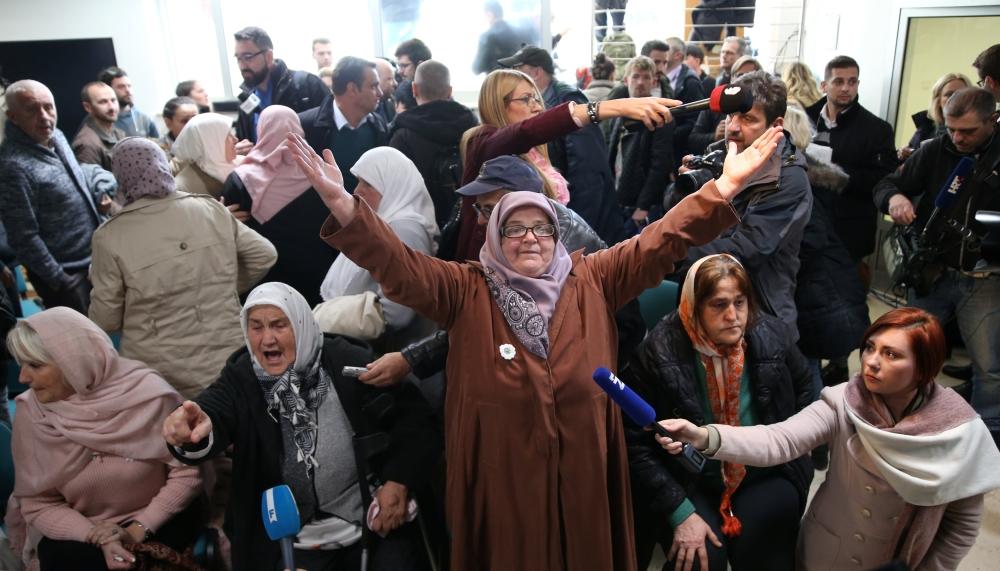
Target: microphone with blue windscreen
(642, 414)
(948, 194)
(281, 520)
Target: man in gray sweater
(46, 201)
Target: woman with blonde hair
(930, 122)
(515, 122)
(802, 88)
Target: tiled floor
(987, 547)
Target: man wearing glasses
(268, 81)
(987, 64)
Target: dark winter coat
(920, 179)
(299, 90)
(321, 133)
(581, 156)
(830, 298)
(663, 373)
(863, 146)
(427, 134)
(647, 159)
(235, 403)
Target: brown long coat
(537, 468)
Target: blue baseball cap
(508, 172)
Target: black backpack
(444, 178)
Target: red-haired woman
(910, 460)
(716, 359)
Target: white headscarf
(203, 141)
(308, 337)
(406, 206)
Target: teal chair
(656, 302)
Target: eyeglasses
(540, 231)
(484, 210)
(528, 99)
(247, 57)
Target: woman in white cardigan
(910, 460)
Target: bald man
(46, 202)
(387, 83)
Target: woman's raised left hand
(739, 167)
(325, 176)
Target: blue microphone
(281, 520)
(642, 414)
(948, 194)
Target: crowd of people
(366, 291)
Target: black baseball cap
(529, 55)
(505, 172)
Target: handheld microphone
(948, 194)
(281, 520)
(724, 99)
(642, 414)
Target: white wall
(132, 24)
(866, 31)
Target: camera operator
(774, 209)
(963, 290)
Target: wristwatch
(147, 533)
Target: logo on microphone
(956, 184)
(732, 90)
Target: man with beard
(268, 81)
(640, 159)
(98, 135)
(429, 135)
(134, 122)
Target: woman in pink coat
(910, 460)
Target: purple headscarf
(141, 169)
(526, 302)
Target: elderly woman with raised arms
(537, 470)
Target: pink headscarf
(543, 291)
(117, 409)
(269, 172)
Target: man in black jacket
(774, 210)
(345, 122)
(430, 133)
(686, 86)
(640, 159)
(862, 145)
(268, 81)
(964, 290)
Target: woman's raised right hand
(188, 424)
(652, 111)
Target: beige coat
(167, 273)
(190, 178)
(853, 516)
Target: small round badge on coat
(507, 351)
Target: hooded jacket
(427, 134)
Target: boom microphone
(643, 415)
(724, 99)
(948, 194)
(281, 520)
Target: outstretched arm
(632, 266)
